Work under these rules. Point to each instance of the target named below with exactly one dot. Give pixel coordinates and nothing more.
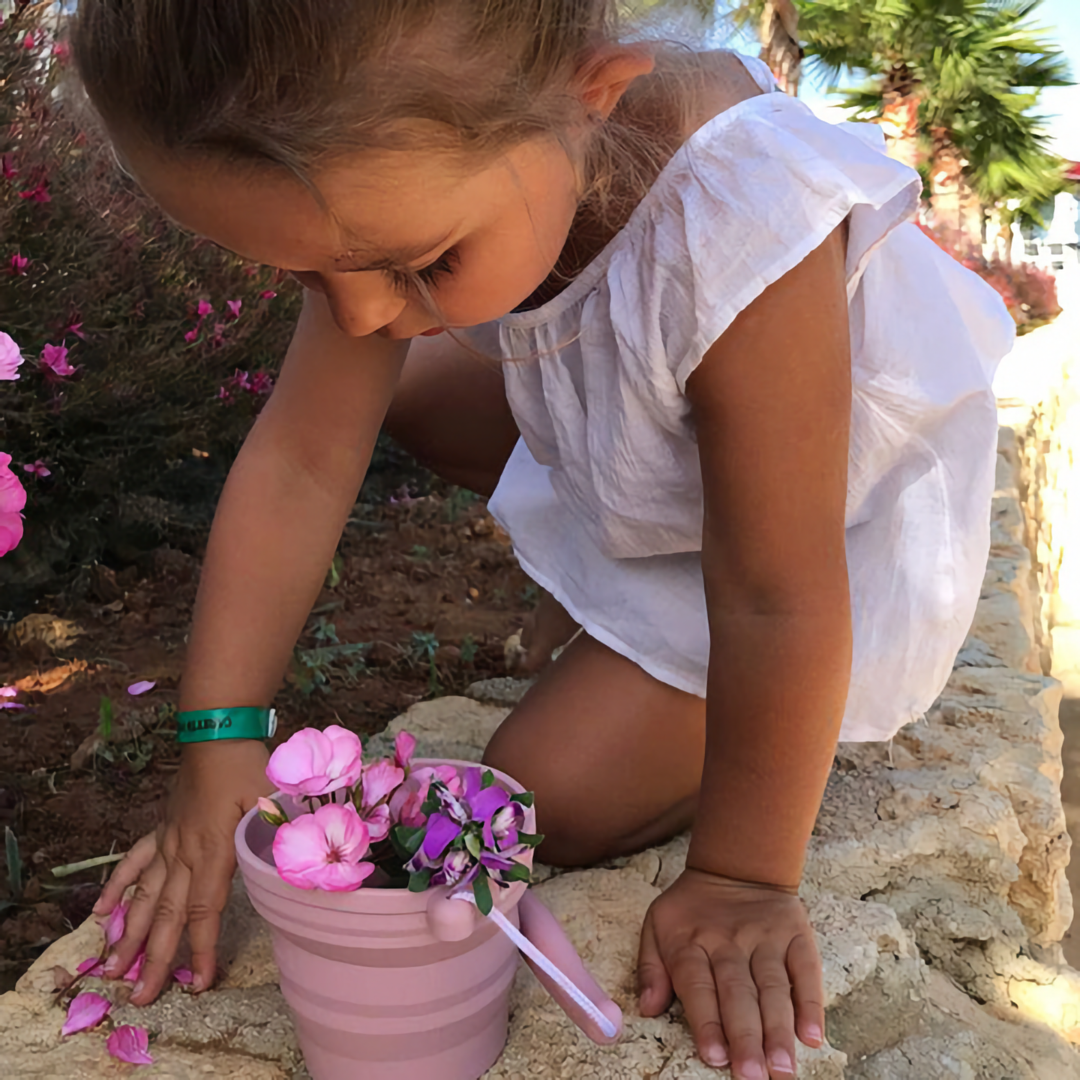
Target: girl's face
(482, 241)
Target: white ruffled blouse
(603, 495)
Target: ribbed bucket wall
(375, 996)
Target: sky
(1061, 106)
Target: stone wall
(935, 879)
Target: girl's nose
(363, 303)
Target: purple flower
(324, 850)
(38, 468)
(85, 1011)
(130, 1044)
(316, 762)
(441, 833)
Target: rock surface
(935, 880)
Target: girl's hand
(182, 872)
(743, 961)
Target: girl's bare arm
(278, 522)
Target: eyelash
(430, 275)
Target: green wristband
(206, 725)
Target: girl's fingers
(126, 873)
(206, 900)
(692, 975)
(804, 970)
(741, 1014)
(139, 916)
(169, 915)
(777, 1011)
(654, 983)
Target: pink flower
(224, 395)
(137, 688)
(261, 384)
(324, 850)
(62, 51)
(184, 976)
(269, 294)
(85, 1011)
(316, 762)
(7, 167)
(234, 307)
(12, 493)
(404, 748)
(192, 335)
(10, 358)
(11, 533)
(55, 359)
(406, 802)
(271, 812)
(204, 309)
(38, 468)
(130, 1044)
(18, 264)
(379, 781)
(29, 40)
(39, 194)
(76, 329)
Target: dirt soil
(429, 587)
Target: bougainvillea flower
(114, 924)
(404, 748)
(261, 384)
(12, 493)
(39, 194)
(137, 688)
(18, 264)
(130, 1044)
(92, 966)
(192, 335)
(55, 358)
(11, 532)
(132, 974)
(10, 358)
(316, 762)
(324, 850)
(38, 468)
(85, 1011)
(234, 307)
(204, 309)
(267, 294)
(76, 329)
(7, 167)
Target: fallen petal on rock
(184, 976)
(92, 966)
(130, 1044)
(85, 1011)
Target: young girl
(737, 419)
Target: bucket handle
(549, 953)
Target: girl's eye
(430, 275)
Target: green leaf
(482, 892)
(409, 838)
(525, 798)
(520, 872)
(431, 803)
(530, 839)
(487, 779)
(472, 844)
(14, 862)
(418, 882)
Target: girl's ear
(604, 77)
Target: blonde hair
(296, 83)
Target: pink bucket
(376, 988)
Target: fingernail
(814, 1033)
(137, 989)
(752, 1070)
(112, 965)
(780, 1060)
(198, 984)
(716, 1056)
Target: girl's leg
(450, 412)
(614, 755)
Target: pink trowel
(547, 950)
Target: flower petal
(114, 924)
(488, 802)
(404, 748)
(441, 832)
(87, 1010)
(184, 976)
(130, 1044)
(92, 966)
(380, 779)
(137, 688)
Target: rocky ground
(936, 881)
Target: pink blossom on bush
(261, 384)
(75, 328)
(85, 1011)
(315, 762)
(7, 167)
(192, 334)
(39, 194)
(234, 307)
(204, 309)
(18, 264)
(324, 850)
(130, 1044)
(62, 51)
(10, 358)
(38, 468)
(267, 294)
(55, 359)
